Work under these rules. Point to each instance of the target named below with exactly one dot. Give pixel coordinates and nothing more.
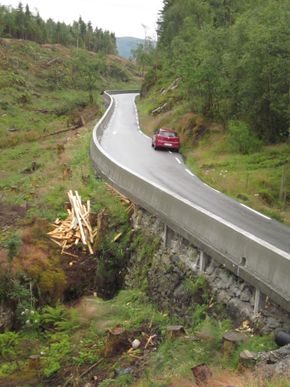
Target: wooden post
(281, 185)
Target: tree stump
(231, 340)
(174, 331)
(201, 374)
(117, 341)
(34, 362)
(247, 359)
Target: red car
(165, 138)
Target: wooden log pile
(76, 228)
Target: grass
(45, 189)
(61, 162)
(75, 338)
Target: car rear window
(167, 134)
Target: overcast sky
(123, 17)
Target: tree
(20, 24)
(233, 57)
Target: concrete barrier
(255, 261)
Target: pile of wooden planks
(131, 207)
(76, 228)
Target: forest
(21, 23)
(233, 60)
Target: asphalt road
(124, 141)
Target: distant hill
(126, 44)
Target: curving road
(124, 141)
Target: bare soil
(10, 214)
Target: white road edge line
(189, 172)
(177, 159)
(256, 212)
(212, 188)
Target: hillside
(65, 317)
(43, 86)
(126, 44)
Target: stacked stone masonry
(176, 260)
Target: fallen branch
(149, 341)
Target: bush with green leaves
(13, 245)
(242, 139)
(15, 292)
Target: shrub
(52, 284)
(266, 196)
(13, 245)
(242, 139)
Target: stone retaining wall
(171, 267)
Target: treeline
(21, 23)
(233, 57)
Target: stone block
(211, 267)
(223, 297)
(245, 295)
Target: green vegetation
(241, 139)
(240, 166)
(232, 59)
(83, 340)
(220, 76)
(143, 55)
(21, 23)
(45, 145)
(45, 88)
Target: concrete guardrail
(260, 264)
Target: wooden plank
(59, 244)
(90, 248)
(79, 221)
(70, 254)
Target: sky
(123, 17)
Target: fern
(8, 344)
(50, 316)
